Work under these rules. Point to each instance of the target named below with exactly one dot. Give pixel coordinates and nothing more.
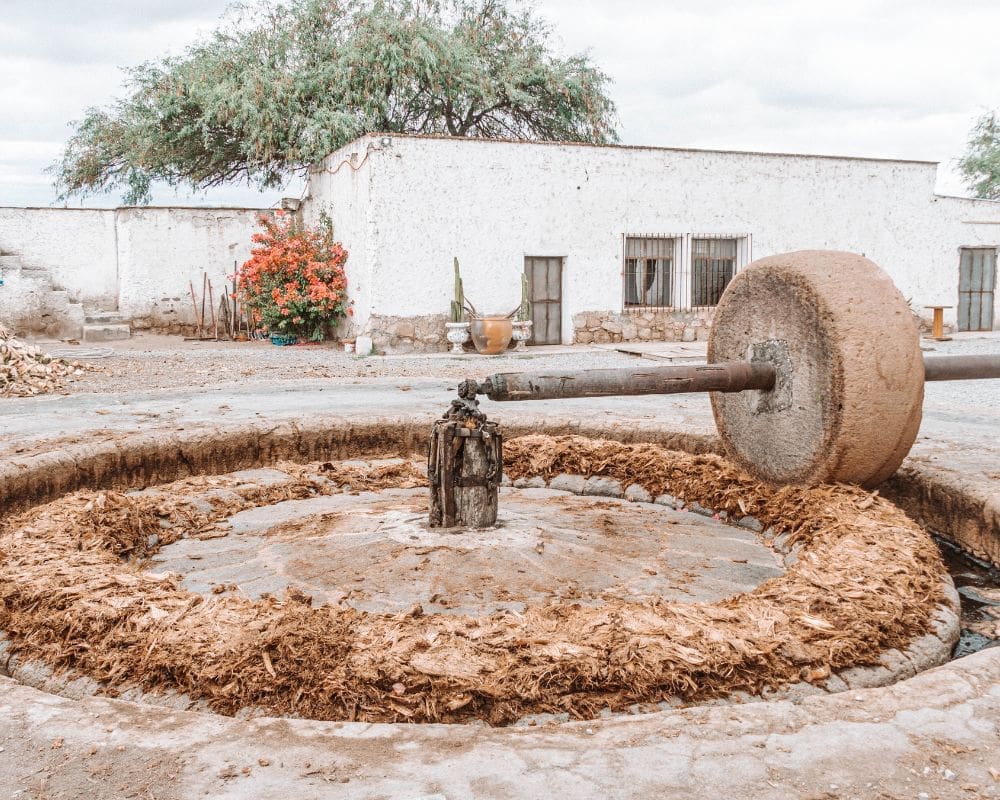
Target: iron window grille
(713, 264)
(649, 274)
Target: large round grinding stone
(850, 378)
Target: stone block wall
(423, 334)
(607, 327)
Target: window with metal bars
(713, 264)
(649, 272)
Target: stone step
(16, 270)
(110, 332)
(18, 263)
(60, 301)
(105, 318)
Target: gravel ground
(149, 361)
(166, 362)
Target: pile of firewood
(26, 371)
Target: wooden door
(545, 294)
(977, 274)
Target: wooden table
(937, 329)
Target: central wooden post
(464, 467)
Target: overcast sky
(903, 79)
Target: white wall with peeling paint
(163, 251)
(75, 246)
(138, 261)
(405, 206)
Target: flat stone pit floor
(375, 552)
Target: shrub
(295, 281)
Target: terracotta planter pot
(491, 335)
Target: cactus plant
(524, 310)
(458, 304)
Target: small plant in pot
(458, 328)
(522, 320)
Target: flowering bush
(294, 281)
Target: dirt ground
(153, 361)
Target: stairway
(31, 304)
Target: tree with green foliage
(981, 164)
(278, 87)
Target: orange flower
(294, 280)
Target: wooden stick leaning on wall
(236, 301)
(204, 293)
(194, 305)
(211, 308)
(225, 315)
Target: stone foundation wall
(424, 334)
(162, 324)
(606, 327)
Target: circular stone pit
(374, 551)
(863, 599)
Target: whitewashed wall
(138, 261)
(76, 246)
(956, 222)
(341, 187)
(162, 251)
(413, 203)
(405, 206)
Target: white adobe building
(628, 243)
(620, 243)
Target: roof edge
(966, 199)
(136, 208)
(652, 148)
